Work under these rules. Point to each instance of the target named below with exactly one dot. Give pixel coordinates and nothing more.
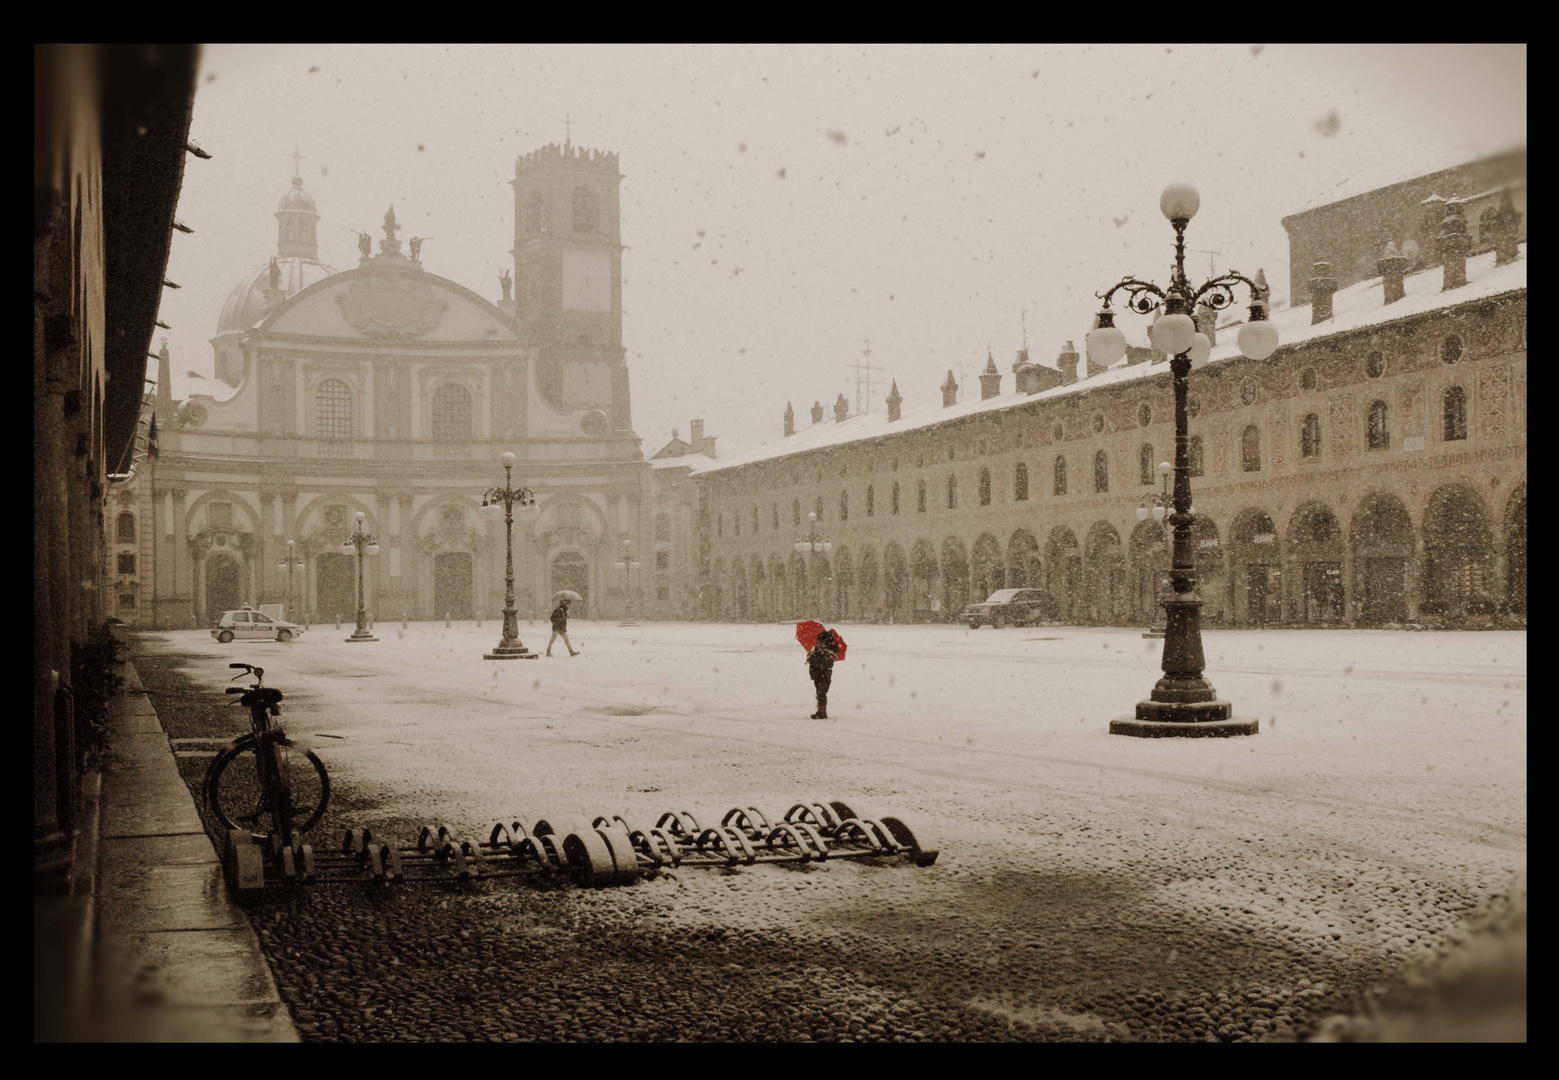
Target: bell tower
(568, 276)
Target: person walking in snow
(560, 627)
(820, 663)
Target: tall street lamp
(505, 499)
(1182, 703)
(363, 544)
(815, 543)
(289, 562)
(629, 564)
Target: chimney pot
(817, 412)
(895, 400)
(841, 409)
(949, 389)
(790, 420)
(1067, 362)
(990, 379)
(1393, 268)
(1454, 244)
(1322, 286)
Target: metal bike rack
(606, 850)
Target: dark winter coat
(821, 657)
(560, 618)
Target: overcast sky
(783, 204)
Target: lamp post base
(361, 634)
(1183, 729)
(509, 650)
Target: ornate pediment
(400, 305)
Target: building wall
(1323, 510)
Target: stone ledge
(1169, 729)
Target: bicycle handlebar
(241, 665)
(236, 690)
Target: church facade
(388, 391)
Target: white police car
(247, 624)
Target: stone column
(1415, 577)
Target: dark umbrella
(807, 632)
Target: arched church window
(333, 410)
(451, 414)
(587, 210)
(126, 528)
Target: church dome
(246, 304)
(296, 198)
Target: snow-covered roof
(1354, 308)
(1375, 175)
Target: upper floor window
(795, 512)
(720, 525)
(844, 506)
(451, 414)
(952, 492)
(1144, 415)
(125, 528)
(1194, 455)
(775, 519)
(920, 497)
(871, 500)
(662, 561)
(1250, 449)
(127, 564)
(1455, 410)
(1379, 433)
(1020, 483)
(662, 526)
(985, 487)
(1145, 464)
(1375, 365)
(755, 519)
(333, 410)
(587, 210)
(1307, 379)
(1060, 480)
(1101, 471)
(1310, 437)
(893, 504)
(818, 507)
(1451, 351)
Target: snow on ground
(1383, 800)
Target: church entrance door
(335, 591)
(452, 585)
(223, 589)
(570, 571)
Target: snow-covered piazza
(1088, 886)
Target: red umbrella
(807, 632)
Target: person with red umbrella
(823, 647)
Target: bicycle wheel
(235, 795)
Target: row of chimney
(1500, 227)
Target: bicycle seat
(260, 695)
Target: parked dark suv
(1014, 606)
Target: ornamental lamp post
(504, 500)
(1158, 511)
(815, 544)
(363, 544)
(629, 564)
(289, 562)
(1182, 703)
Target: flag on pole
(151, 439)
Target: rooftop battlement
(567, 156)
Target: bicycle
(254, 779)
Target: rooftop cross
(296, 157)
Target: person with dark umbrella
(820, 662)
(560, 627)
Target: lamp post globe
(1258, 339)
(1201, 350)
(1105, 345)
(1180, 202)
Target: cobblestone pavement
(1090, 887)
